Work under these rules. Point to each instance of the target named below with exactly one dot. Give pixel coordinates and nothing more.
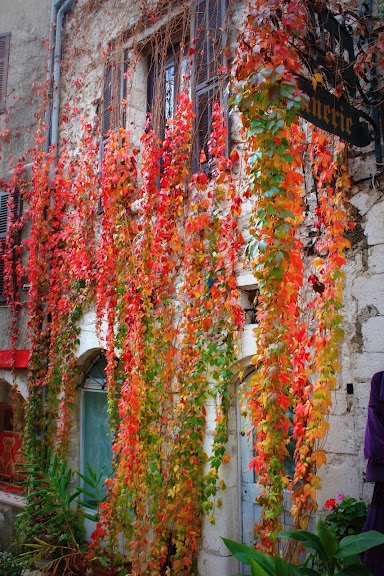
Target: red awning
(15, 358)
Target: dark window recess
(3, 230)
(208, 80)
(4, 59)
(112, 111)
(115, 86)
(165, 82)
(248, 299)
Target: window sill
(12, 499)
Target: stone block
(226, 523)
(363, 166)
(363, 201)
(373, 334)
(367, 365)
(210, 564)
(341, 402)
(247, 342)
(376, 259)
(340, 438)
(342, 474)
(369, 290)
(374, 230)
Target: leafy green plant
(10, 565)
(51, 506)
(347, 517)
(329, 556)
(91, 490)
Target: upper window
(4, 58)
(167, 75)
(4, 223)
(165, 82)
(210, 61)
(115, 85)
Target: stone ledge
(12, 499)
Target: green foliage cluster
(50, 527)
(328, 556)
(347, 517)
(10, 565)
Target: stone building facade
(24, 31)
(92, 30)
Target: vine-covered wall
(158, 250)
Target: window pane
(96, 436)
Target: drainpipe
(53, 101)
(57, 73)
(48, 112)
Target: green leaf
(245, 553)
(302, 571)
(355, 570)
(327, 537)
(256, 569)
(282, 568)
(359, 543)
(309, 540)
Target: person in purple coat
(374, 452)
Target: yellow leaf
(316, 79)
(319, 457)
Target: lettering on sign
(337, 116)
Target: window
(165, 82)
(209, 82)
(4, 58)
(4, 222)
(112, 112)
(96, 440)
(166, 75)
(115, 86)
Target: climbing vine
(153, 247)
(295, 368)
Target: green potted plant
(347, 515)
(59, 543)
(328, 555)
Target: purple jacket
(374, 432)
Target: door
(250, 490)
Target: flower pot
(104, 571)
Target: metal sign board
(336, 115)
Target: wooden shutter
(208, 32)
(3, 214)
(3, 233)
(4, 58)
(2, 295)
(4, 227)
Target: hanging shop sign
(336, 115)
(14, 358)
(340, 101)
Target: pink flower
(340, 496)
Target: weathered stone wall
(89, 28)
(29, 25)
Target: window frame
(206, 81)
(4, 223)
(113, 115)
(177, 57)
(5, 41)
(92, 385)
